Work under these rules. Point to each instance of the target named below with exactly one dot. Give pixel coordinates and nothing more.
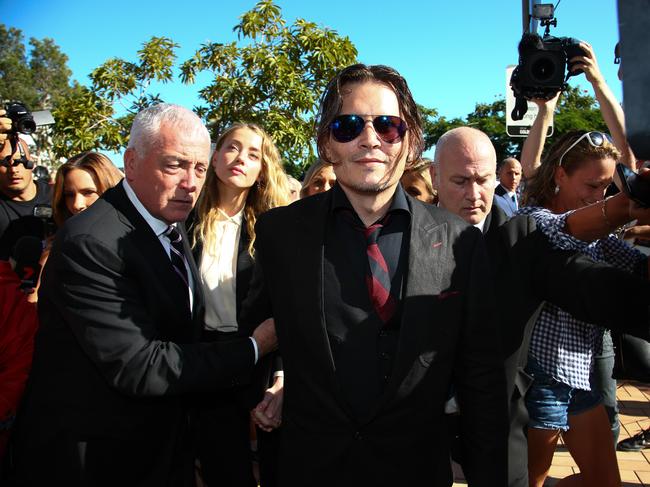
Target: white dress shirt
(159, 227)
(218, 268)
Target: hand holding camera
(5, 127)
(586, 62)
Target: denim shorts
(550, 402)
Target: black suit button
(384, 355)
(357, 435)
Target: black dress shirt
(362, 346)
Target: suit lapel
(308, 281)
(311, 232)
(149, 244)
(427, 259)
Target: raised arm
(609, 106)
(531, 152)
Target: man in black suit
(117, 355)
(527, 271)
(378, 304)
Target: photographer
(19, 194)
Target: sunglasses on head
(9, 162)
(390, 129)
(596, 139)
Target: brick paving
(634, 406)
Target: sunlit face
(15, 181)
(367, 164)
(510, 175)
(585, 185)
(322, 181)
(238, 162)
(79, 190)
(465, 182)
(168, 177)
(415, 186)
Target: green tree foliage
(274, 76)
(100, 117)
(575, 111)
(39, 79)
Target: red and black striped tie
(378, 281)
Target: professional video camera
(544, 66)
(21, 119)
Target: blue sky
(453, 53)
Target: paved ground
(634, 405)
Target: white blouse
(218, 268)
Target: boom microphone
(27, 254)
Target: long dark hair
(332, 101)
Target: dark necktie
(378, 280)
(177, 256)
(514, 200)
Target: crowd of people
(202, 317)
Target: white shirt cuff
(257, 353)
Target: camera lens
(543, 69)
(26, 125)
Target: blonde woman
(246, 179)
(416, 181)
(319, 178)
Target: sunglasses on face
(9, 162)
(596, 139)
(390, 129)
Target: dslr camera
(22, 120)
(544, 66)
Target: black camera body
(22, 120)
(543, 68)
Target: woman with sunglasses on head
(561, 400)
(246, 180)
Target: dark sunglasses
(9, 162)
(390, 129)
(596, 139)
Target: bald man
(505, 194)
(527, 271)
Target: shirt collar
(158, 226)
(480, 224)
(236, 219)
(398, 203)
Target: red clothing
(18, 324)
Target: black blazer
(527, 272)
(446, 334)
(262, 376)
(115, 357)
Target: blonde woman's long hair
(271, 190)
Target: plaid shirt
(563, 345)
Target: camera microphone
(26, 255)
